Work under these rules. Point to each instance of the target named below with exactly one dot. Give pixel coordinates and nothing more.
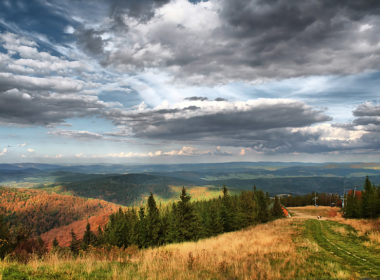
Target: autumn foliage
(40, 211)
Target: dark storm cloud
(90, 40)
(265, 125)
(140, 9)
(367, 110)
(21, 108)
(196, 98)
(257, 39)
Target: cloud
(251, 40)
(263, 123)
(31, 108)
(368, 119)
(30, 150)
(38, 88)
(78, 134)
(3, 152)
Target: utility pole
(315, 199)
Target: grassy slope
(296, 248)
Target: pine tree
(277, 209)
(226, 211)
(141, 229)
(188, 228)
(248, 210)
(369, 200)
(99, 237)
(263, 212)
(55, 243)
(75, 243)
(89, 238)
(215, 221)
(153, 222)
(173, 225)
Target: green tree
(75, 243)
(55, 243)
(277, 209)
(141, 229)
(262, 205)
(188, 227)
(89, 238)
(227, 211)
(153, 222)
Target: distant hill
(125, 189)
(297, 185)
(41, 211)
(129, 184)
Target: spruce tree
(261, 200)
(89, 237)
(55, 243)
(226, 211)
(188, 228)
(75, 243)
(248, 209)
(215, 221)
(153, 222)
(277, 209)
(141, 229)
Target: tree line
(323, 199)
(363, 204)
(180, 221)
(152, 225)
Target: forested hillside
(40, 211)
(125, 189)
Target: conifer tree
(247, 214)
(173, 225)
(141, 229)
(215, 221)
(55, 243)
(226, 211)
(263, 212)
(75, 243)
(188, 228)
(89, 238)
(277, 209)
(369, 200)
(153, 222)
(99, 237)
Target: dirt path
(300, 214)
(349, 247)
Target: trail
(349, 248)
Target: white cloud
(365, 27)
(69, 29)
(31, 150)
(3, 152)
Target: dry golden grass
(247, 254)
(262, 252)
(368, 227)
(276, 250)
(312, 211)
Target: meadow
(300, 247)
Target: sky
(181, 81)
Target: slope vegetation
(41, 211)
(292, 248)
